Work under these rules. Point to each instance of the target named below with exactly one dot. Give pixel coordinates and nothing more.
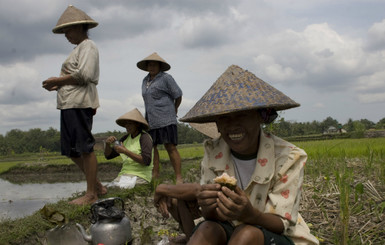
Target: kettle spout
(86, 237)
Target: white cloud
(237, 15)
(318, 57)
(319, 105)
(376, 37)
(371, 89)
(26, 116)
(276, 71)
(19, 84)
(372, 98)
(30, 11)
(125, 21)
(328, 59)
(206, 31)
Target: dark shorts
(270, 238)
(75, 132)
(165, 135)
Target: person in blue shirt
(162, 96)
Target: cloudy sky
(328, 55)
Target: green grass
(344, 147)
(37, 159)
(191, 151)
(4, 166)
(346, 181)
(327, 156)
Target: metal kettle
(110, 225)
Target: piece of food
(226, 180)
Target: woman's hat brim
(133, 115)
(209, 129)
(164, 66)
(73, 16)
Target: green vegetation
(17, 142)
(355, 128)
(190, 151)
(30, 230)
(344, 181)
(343, 192)
(36, 160)
(344, 148)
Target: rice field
(343, 196)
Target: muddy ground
(57, 173)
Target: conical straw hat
(133, 115)
(209, 129)
(73, 16)
(164, 66)
(237, 90)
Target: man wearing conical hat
(135, 149)
(265, 173)
(77, 98)
(162, 97)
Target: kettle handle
(111, 200)
(121, 200)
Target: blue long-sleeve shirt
(159, 97)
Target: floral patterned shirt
(275, 185)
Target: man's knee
(205, 232)
(210, 227)
(245, 234)
(170, 147)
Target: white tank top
(244, 169)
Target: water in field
(19, 200)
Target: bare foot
(85, 200)
(101, 189)
(179, 180)
(155, 175)
(181, 239)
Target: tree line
(36, 140)
(283, 128)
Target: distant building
(334, 130)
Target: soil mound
(57, 173)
